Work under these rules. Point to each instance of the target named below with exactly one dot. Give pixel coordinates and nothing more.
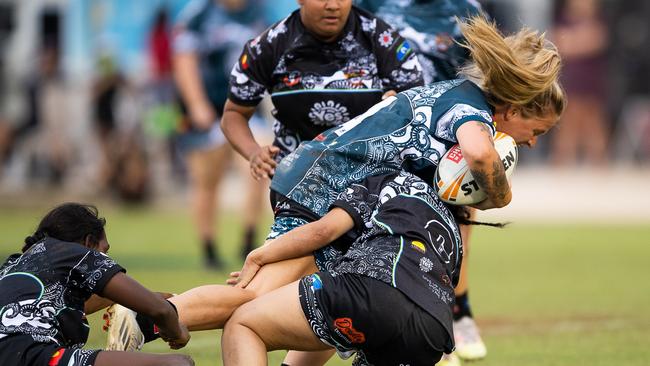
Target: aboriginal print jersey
(431, 28)
(408, 239)
(43, 291)
(216, 35)
(411, 131)
(316, 85)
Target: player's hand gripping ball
(455, 183)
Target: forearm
(490, 175)
(96, 303)
(294, 244)
(188, 78)
(235, 127)
(304, 240)
(125, 291)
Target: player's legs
(206, 168)
(271, 322)
(469, 345)
(112, 358)
(256, 206)
(209, 307)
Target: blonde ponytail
(521, 70)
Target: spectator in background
(581, 37)
(206, 43)
(124, 168)
(47, 116)
(105, 89)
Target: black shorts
(22, 350)
(357, 313)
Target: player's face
(525, 130)
(325, 18)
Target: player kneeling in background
(45, 294)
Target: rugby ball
(453, 180)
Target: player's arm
(96, 303)
(188, 79)
(234, 125)
(476, 143)
(126, 291)
(296, 243)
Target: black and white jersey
(407, 237)
(316, 85)
(43, 291)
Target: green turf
(543, 295)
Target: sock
(147, 327)
(249, 241)
(208, 251)
(462, 307)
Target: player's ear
(89, 242)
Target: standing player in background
(431, 27)
(323, 65)
(207, 40)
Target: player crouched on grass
(45, 294)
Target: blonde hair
(521, 69)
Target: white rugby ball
(455, 183)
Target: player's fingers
(273, 149)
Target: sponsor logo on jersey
(56, 357)
(292, 79)
(419, 246)
(344, 325)
(455, 154)
(386, 38)
(244, 62)
(403, 50)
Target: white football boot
(449, 360)
(469, 345)
(124, 333)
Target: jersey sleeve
(360, 200)
(354, 200)
(397, 63)
(93, 270)
(464, 103)
(251, 75)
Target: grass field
(544, 295)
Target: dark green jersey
(411, 131)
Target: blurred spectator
(48, 118)
(581, 36)
(123, 167)
(206, 45)
(105, 89)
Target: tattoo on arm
(486, 131)
(499, 180)
(495, 184)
